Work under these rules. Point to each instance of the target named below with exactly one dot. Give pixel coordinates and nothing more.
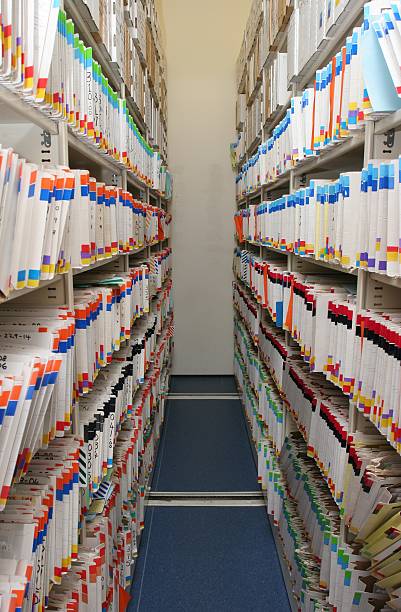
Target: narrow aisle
(199, 554)
(204, 448)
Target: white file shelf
(67, 147)
(254, 146)
(84, 24)
(373, 289)
(282, 182)
(328, 159)
(286, 572)
(97, 264)
(332, 155)
(14, 109)
(22, 293)
(352, 16)
(40, 139)
(80, 14)
(386, 280)
(333, 266)
(275, 118)
(134, 110)
(392, 121)
(90, 152)
(27, 291)
(105, 161)
(110, 260)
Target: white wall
(203, 39)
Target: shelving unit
(352, 153)
(40, 139)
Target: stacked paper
(107, 407)
(37, 385)
(289, 515)
(369, 371)
(160, 266)
(265, 415)
(273, 351)
(248, 398)
(56, 72)
(355, 473)
(34, 223)
(64, 218)
(276, 84)
(297, 303)
(317, 118)
(102, 570)
(382, 40)
(105, 311)
(39, 526)
(315, 221)
(322, 416)
(247, 309)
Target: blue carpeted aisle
(200, 559)
(204, 448)
(206, 558)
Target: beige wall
(203, 39)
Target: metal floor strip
(201, 501)
(207, 494)
(206, 498)
(203, 396)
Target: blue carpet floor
(204, 448)
(206, 559)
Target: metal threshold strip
(206, 498)
(203, 396)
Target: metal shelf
(14, 109)
(18, 293)
(97, 264)
(84, 24)
(104, 262)
(326, 156)
(389, 122)
(283, 565)
(135, 112)
(351, 16)
(274, 119)
(251, 47)
(392, 281)
(281, 182)
(334, 267)
(254, 146)
(256, 90)
(87, 28)
(280, 552)
(279, 547)
(349, 154)
(92, 153)
(98, 157)
(254, 194)
(136, 182)
(273, 249)
(331, 154)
